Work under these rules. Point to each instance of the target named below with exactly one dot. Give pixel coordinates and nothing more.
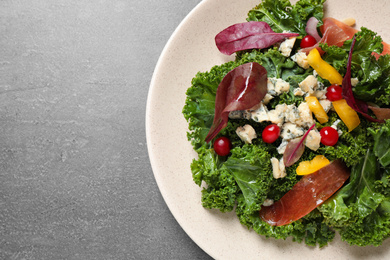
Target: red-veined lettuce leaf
(248, 35)
(242, 88)
(311, 28)
(295, 149)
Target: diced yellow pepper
(346, 114)
(308, 167)
(317, 109)
(324, 69)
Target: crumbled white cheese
(268, 202)
(278, 169)
(354, 82)
(321, 86)
(267, 99)
(335, 126)
(309, 84)
(239, 114)
(260, 114)
(277, 86)
(282, 86)
(320, 94)
(313, 140)
(286, 46)
(277, 115)
(326, 104)
(271, 87)
(291, 131)
(282, 147)
(291, 114)
(301, 59)
(246, 133)
(282, 168)
(298, 92)
(305, 115)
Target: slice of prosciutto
(334, 32)
(310, 192)
(386, 50)
(380, 113)
(241, 89)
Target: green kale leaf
(359, 211)
(311, 229)
(282, 16)
(221, 186)
(352, 146)
(382, 144)
(251, 168)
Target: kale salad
(294, 134)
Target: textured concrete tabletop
(75, 177)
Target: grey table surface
(75, 177)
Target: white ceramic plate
(191, 49)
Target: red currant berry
(334, 93)
(222, 146)
(329, 136)
(270, 133)
(308, 41)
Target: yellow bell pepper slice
(346, 114)
(309, 167)
(324, 69)
(317, 109)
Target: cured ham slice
(310, 192)
(330, 22)
(333, 32)
(386, 50)
(380, 113)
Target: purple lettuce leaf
(241, 89)
(248, 35)
(295, 149)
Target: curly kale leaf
(382, 144)
(372, 230)
(273, 61)
(311, 229)
(251, 168)
(282, 16)
(221, 186)
(352, 146)
(359, 211)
